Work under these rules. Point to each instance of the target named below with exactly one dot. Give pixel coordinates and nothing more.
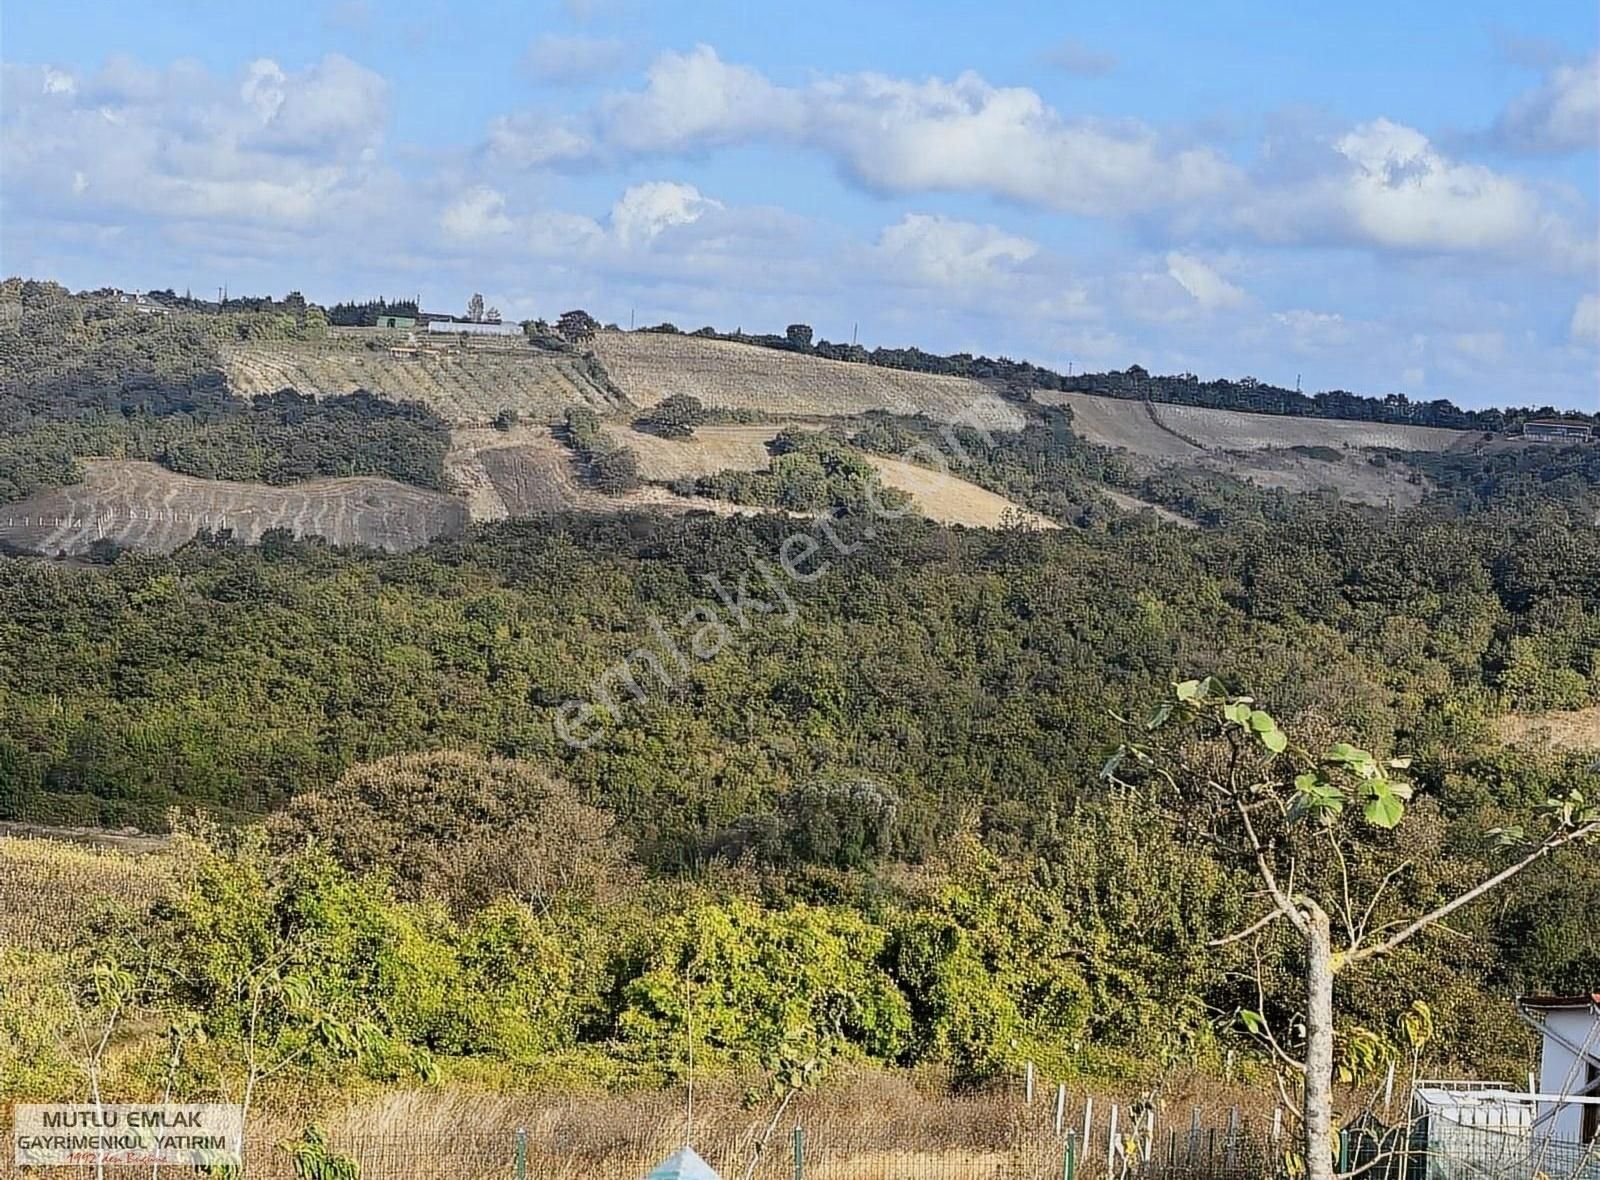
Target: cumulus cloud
(1204, 285)
(1585, 325)
(1561, 114)
(893, 135)
(478, 213)
(645, 210)
(536, 141)
(1386, 185)
(271, 145)
(557, 59)
(943, 252)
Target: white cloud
(1561, 114)
(557, 59)
(59, 82)
(1208, 288)
(943, 252)
(1585, 325)
(894, 135)
(1385, 185)
(1401, 192)
(535, 141)
(645, 210)
(1312, 330)
(476, 214)
(695, 100)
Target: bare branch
(1255, 927)
(1551, 843)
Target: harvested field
(527, 472)
(951, 500)
(1575, 729)
(1353, 478)
(1161, 431)
(712, 449)
(467, 387)
(648, 367)
(145, 506)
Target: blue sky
(1379, 197)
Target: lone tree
(1308, 825)
(475, 308)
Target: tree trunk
(1319, 1044)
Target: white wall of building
(1562, 1071)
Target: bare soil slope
(466, 388)
(145, 506)
(1161, 431)
(650, 366)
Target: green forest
(855, 810)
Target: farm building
(1557, 430)
(1569, 1064)
(397, 321)
(438, 328)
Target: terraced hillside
(650, 366)
(146, 506)
(466, 387)
(1161, 431)
(527, 472)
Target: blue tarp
(684, 1164)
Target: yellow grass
(951, 500)
(466, 388)
(48, 887)
(1576, 729)
(649, 367)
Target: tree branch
(1551, 843)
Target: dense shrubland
(810, 471)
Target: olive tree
(1302, 820)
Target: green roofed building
(397, 321)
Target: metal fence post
(1069, 1158)
(522, 1153)
(799, 1153)
(1344, 1151)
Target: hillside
(467, 386)
(651, 366)
(143, 505)
(1163, 431)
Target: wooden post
(1111, 1141)
(1277, 1123)
(1061, 1106)
(1388, 1087)
(1194, 1133)
(1232, 1150)
(1028, 1084)
(1149, 1132)
(1088, 1119)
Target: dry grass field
(1133, 504)
(1353, 477)
(466, 388)
(649, 367)
(864, 1124)
(527, 472)
(47, 887)
(951, 500)
(1576, 729)
(710, 450)
(1183, 432)
(143, 505)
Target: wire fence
(1236, 1151)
